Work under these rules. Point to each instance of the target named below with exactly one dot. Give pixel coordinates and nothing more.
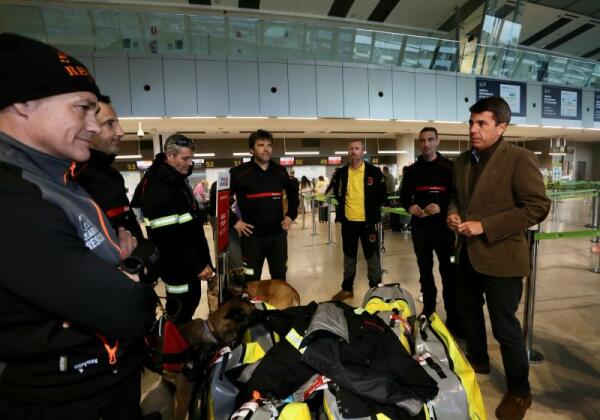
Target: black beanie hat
(30, 69)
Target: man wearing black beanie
(71, 314)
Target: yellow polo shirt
(355, 194)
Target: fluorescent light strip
(391, 152)
(449, 122)
(121, 157)
(416, 121)
(345, 152)
(527, 125)
(574, 128)
(556, 154)
(204, 154)
(303, 153)
(551, 126)
(449, 152)
(297, 118)
(537, 152)
(197, 117)
(246, 118)
(373, 119)
(140, 118)
(242, 154)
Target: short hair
(386, 169)
(494, 104)
(259, 135)
(175, 142)
(424, 129)
(357, 141)
(104, 99)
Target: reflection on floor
(566, 385)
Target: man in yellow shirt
(359, 188)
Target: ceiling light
(246, 118)
(556, 154)
(537, 152)
(527, 125)
(449, 122)
(391, 152)
(315, 152)
(197, 117)
(372, 119)
(449, 152)
(122, 157)
(204, 154)
(574, 128)
(416, 121)
(140, 118)
(551, 126)
(140, 132)
(242, 154)
(297, 118)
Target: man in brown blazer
(498, 193)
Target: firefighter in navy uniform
(175, 224)
(425, 193)
(259, 187)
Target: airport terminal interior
(319, 73)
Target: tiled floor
(567, 310)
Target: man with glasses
(174, 223)
(259, 186)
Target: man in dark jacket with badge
(72, 311)
(174, 223)
(425, 193)
(259, 187)
(360, 190)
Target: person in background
(259, 186)
(73, 310)
(321, 185)
(175, 224)
(425, 194)
(359, 188)
(306, 190)
(498, 193)
(200, 192)
(390, 182)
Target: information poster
(514, 93)
(222, 211)
(596, 106)
(561, 103)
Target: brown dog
(225, 326)
(278, 293)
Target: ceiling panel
(361, 9)
(310, 7)
(582, 44)
(426, 15)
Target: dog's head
(233, 317)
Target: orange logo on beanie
(63, 57)
(75, 71)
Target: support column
(405, 142)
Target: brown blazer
(508, 198)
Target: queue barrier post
(533, 356)
(595, 211)
(329, 224)
(315, 208)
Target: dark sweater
(425, 182)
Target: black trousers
(255, 248)
(352, 232)
(502, 295)
(440, 240)
(182, 300)
(120, 402)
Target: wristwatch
(132, 265)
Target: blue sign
(597, 106)
(561, 103)
(514, 93)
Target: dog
(224, 327)
(278, 293)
